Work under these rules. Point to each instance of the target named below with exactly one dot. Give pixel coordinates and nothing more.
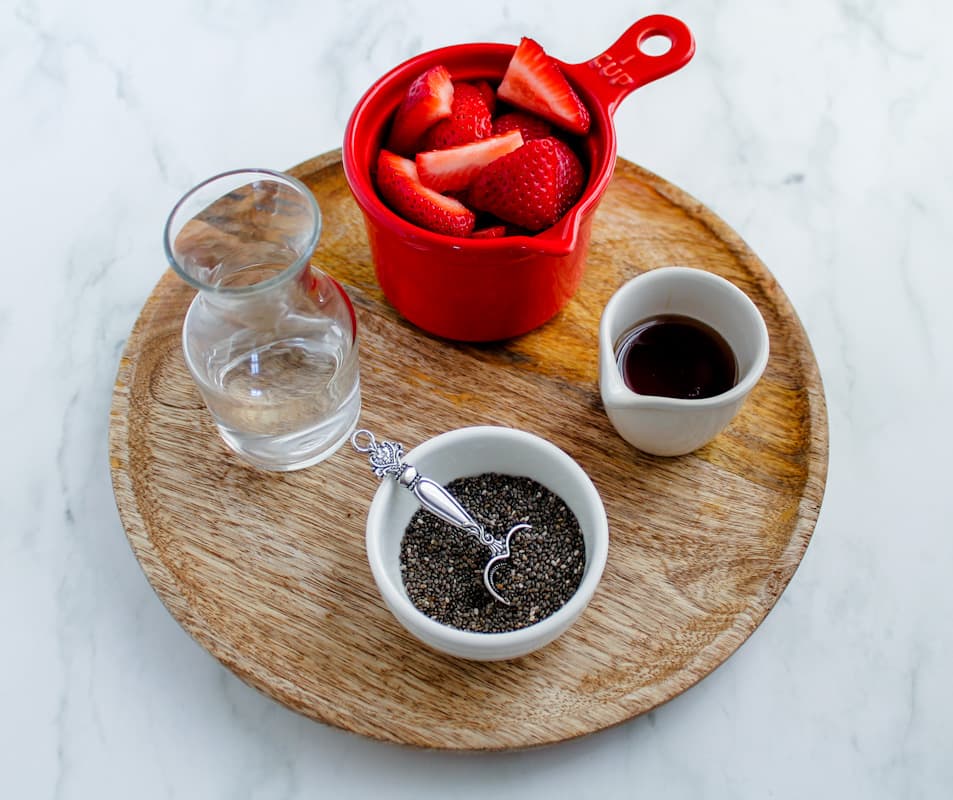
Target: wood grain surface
(267, 571)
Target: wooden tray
(268, 572)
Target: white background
(819, 130)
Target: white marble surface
(819, 130)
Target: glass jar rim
(291, 269)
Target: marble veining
(819, 131)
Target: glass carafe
(270, 339)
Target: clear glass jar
(270, 339)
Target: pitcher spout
(561, 239)
(615, 394)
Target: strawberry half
(429, 99)
(531, 187)
(570, 179)
(455, 168)
(400, 186)
(529, 125)
(469, 120)
(534, 82)
(489, 95)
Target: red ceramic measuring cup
(488, 289)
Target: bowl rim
(545, 629)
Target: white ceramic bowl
(473, 451)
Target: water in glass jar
(285, 393)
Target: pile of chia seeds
(442, 566)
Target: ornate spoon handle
(386, 458)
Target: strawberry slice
(429, 99)
(534, 82)
(469, 120)
(493, 232)
(455, 168)
(400, 186)
(531, 187)
(531, 126)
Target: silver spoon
(386, 458)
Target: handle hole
(655, 44)
(356, 438)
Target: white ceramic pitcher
(668, 426)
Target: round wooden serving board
(268, 572)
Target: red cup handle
(625, 66)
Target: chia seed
(442, 567)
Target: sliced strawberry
(455, 168)
(398, 183)
(489, 95)
(532, 187)
(428, 100)
(534, 82)
(494, 232)
(469, 120)
(531, 126)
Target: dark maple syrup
(671, 355)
